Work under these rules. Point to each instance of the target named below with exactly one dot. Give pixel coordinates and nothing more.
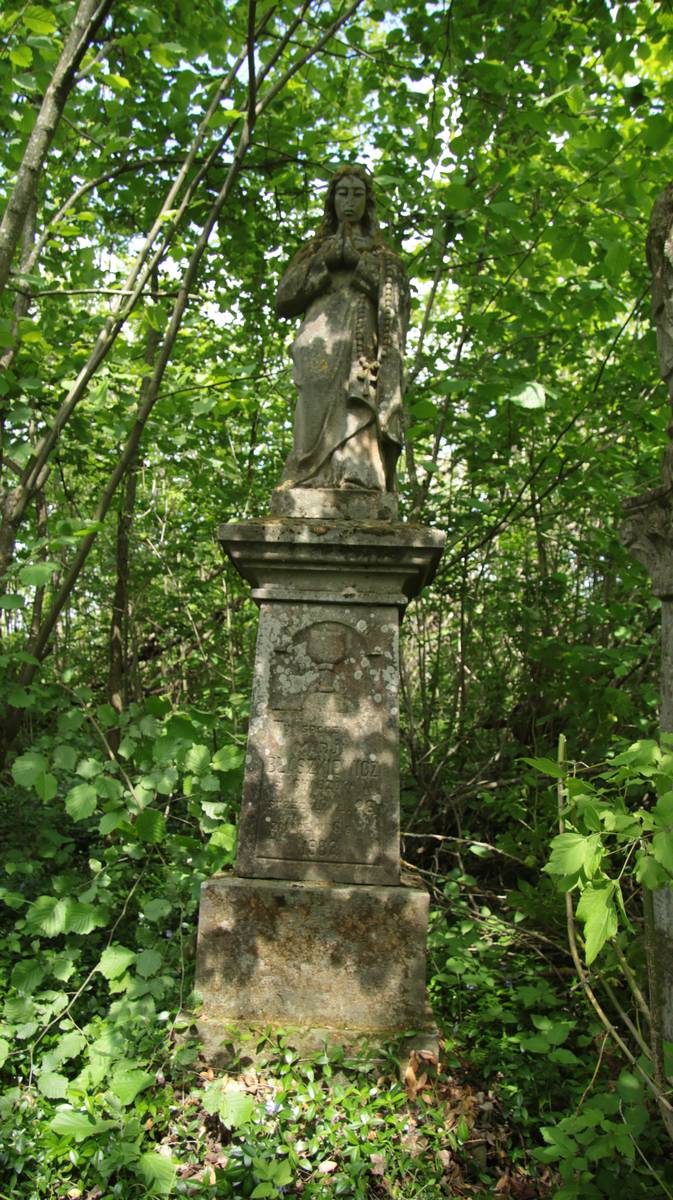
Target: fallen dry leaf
(327, 1166)
(378, 1164)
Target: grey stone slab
(309, 955)
(340, 504)
(384, 562)
(321, 788)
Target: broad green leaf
(112, 820)
(127, 1081)
(82, 917)
(657, 132)
(150, 826)
(47, 915)
(4, 1051)
(224, 837)
(235, 1109)
(78, 1125)
(115, 960)
(28, 768)
(227, 758)
(38, 19)
(68, 1046)
(530, 395)
(458, 196)
(597, 911)
(46, 786)
(53, 1085)
(148, 963)
(649, 873)
(27, 975)
(158, 1173)
(156, 909)
(65, 757)
(546, 765)
(572, 852)
(37, 574)
(662, 848)
(81, 801)
(663, 809)
(197, 759)
(11, 601)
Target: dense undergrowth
(105, 1093)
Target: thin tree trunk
(87, 19)
(119, 659)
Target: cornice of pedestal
(647, 532)
(338, 561)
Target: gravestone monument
(647, 531)
(316, 929)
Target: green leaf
(649, 873)
(37, 574)
(156, 909)
(662, 848)
(28, 768)
(46, 786)
(27, 975)
(115, 960)
(546, 765)
(236, 1109)
(598, 913)
(575, 99)
(157, 1172)
(571, 853)
(65, 758)
(663, 809)
(197, 760)
(458, 196)
(148, 963)
(82, 917)
(78, 1125)
(21, 56)
(227, 758)
(151, 826)
(224, 837)
(127, 1082)
(81, 801)
(657, 132)
(53, 1085)
(4, 1051)
(529, 395)
(112, 820)
(38, 19)
(47, 915)
(10, 601)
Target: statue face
(350, 199)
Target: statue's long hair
(370, 225)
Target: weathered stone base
(315, 956)
(221, 1042)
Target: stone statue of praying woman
(353, 294)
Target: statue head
(330, 222)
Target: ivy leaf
(598, 913)
(115, 960)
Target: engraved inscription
(319, 800)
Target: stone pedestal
(314, 930)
